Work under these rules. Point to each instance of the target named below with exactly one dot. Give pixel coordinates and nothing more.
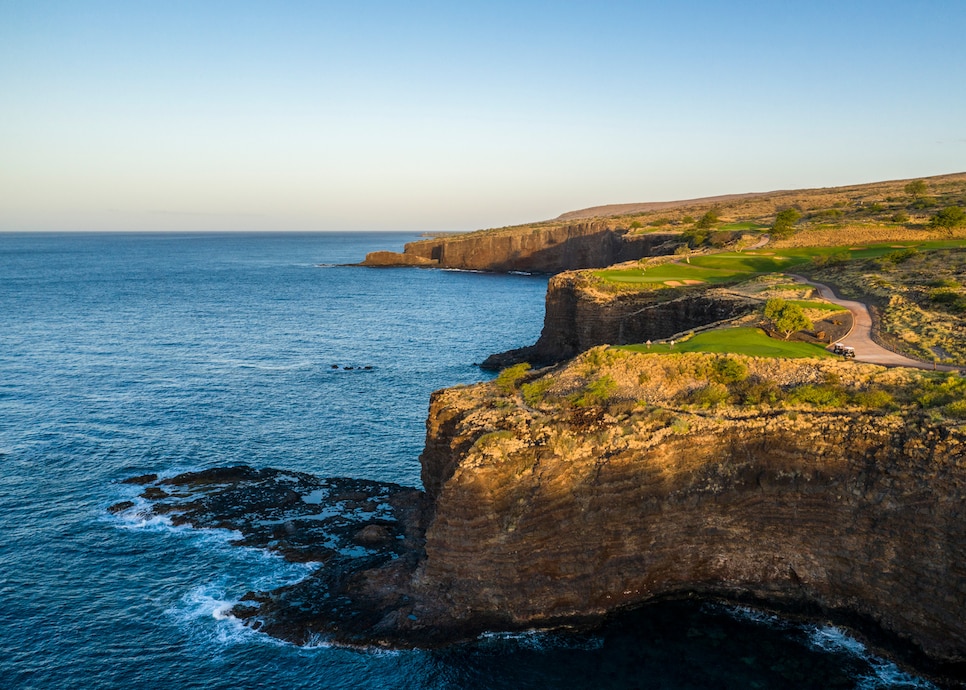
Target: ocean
(127, 354)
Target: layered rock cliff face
(548, 249)
(564, 513)
(559, 498)
(580, 316)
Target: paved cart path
(860, 337)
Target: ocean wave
(884, 673)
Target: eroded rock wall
(578, 317)
(542, 519)
(548, 249)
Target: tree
(785, 222)
(916, 188)
(949, 218)
(708, 220)
(786, 317)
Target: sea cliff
(564, 496)
(581, 314)
(549, 248)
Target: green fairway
(732, 267)
(820, 306)
(744, 225)
(741, 341)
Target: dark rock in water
(356, 530)
(334, 366)
(367, 367)
(154, 493)
(348, 368)
(141, 479)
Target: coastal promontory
(563, 496)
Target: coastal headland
(669, 436)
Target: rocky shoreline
(540, 513)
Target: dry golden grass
(866, 210)
(921, 301)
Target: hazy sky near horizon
(292, 115)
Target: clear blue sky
(288, 115)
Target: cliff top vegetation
(897, 210)
(619, 382)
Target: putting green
(740, 341)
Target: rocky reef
(580, 315)
(535, 249)
(562, 496)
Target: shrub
(943, 295)
(708, 220)
(533, 393)
(873, 399)
(833, 259)
(756, 391)
(824, 395)
(949, 218)
(729, 370)
(784, 222)
(711, 395)
(944, 282)
(900, 256)
(722, 238)
(598, 392)
(956, 409)
(937, 392)
(509, 377)
(637, 225)
(900, 217)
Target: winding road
(860, 337)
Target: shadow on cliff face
(542, 250)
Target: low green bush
(507, 380)
(711, 395)
(873, 399)
(534, 392)
(756, 391)
(823, 395)
(729, 370)
(597, 392)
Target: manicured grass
(820, 306)
(744, 225)
(741, 341)
(732, 267)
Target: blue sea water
(125, 354)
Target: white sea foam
(315, 497)
(885, 674)
(755, 616)
(833, 640)
(540, 640)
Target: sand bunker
(673, 283)
(691, 281)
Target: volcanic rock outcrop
(580, 315)
(566, 495)
(537, 249)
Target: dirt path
(860, 337)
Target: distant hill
(744, 204)
(643, 207)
